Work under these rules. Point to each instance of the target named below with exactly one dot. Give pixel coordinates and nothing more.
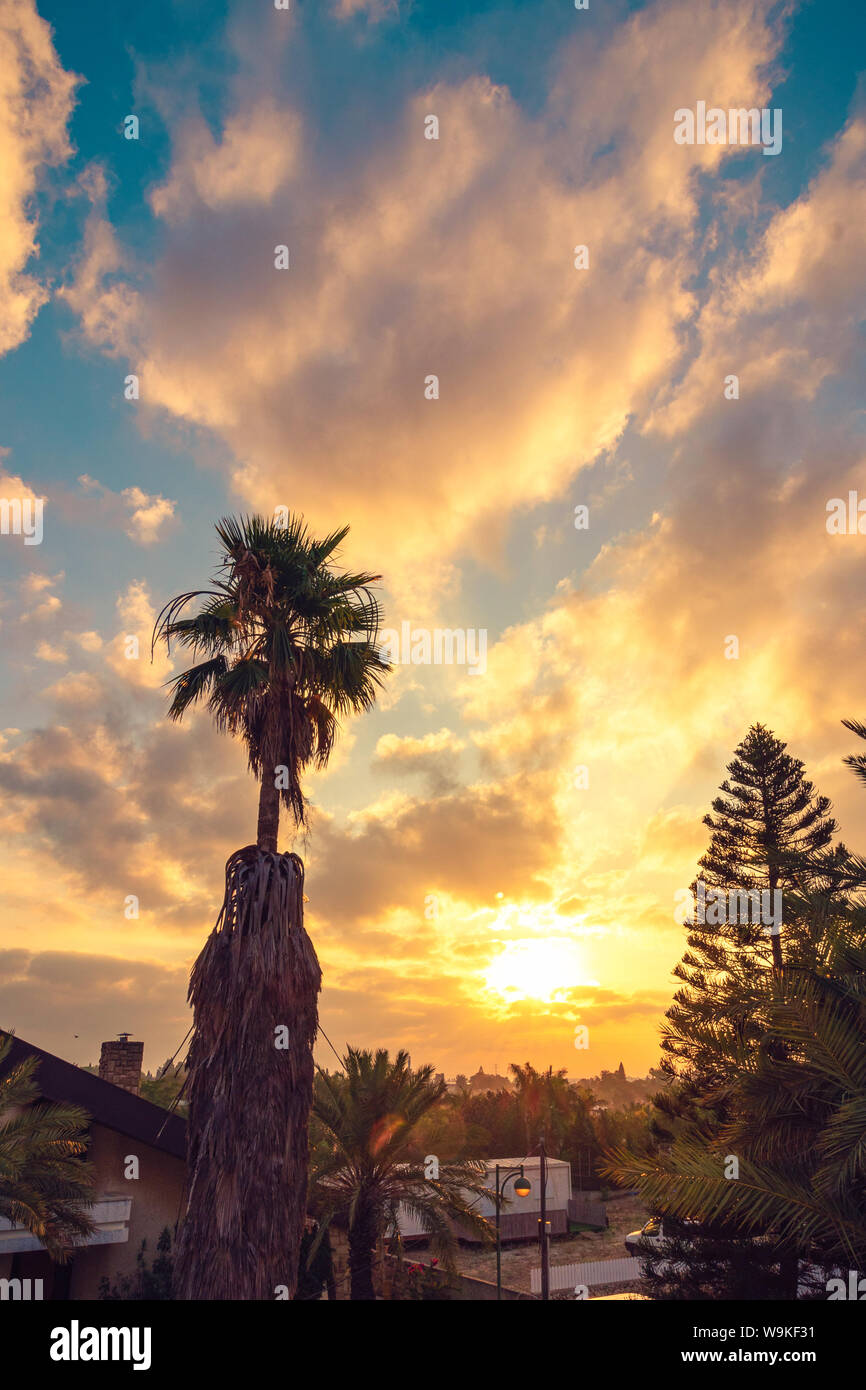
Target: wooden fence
(587, 1212)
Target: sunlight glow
(536, 969)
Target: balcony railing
(109, 1214)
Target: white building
(520, 1215)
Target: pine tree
(769, 838)
(768, 824)
(769, 834)
(688, 1267)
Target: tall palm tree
(288, 646)
(369, 1113)
(45, 1184)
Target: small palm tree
(545, 1101)
(288, 646)
(44, 1182)
(368, 1169)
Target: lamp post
(521, 1188)
(545, 1268)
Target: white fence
(593, 1272)
(596, 1272)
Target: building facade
(138, 1153)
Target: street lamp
(522, 1189)
(543, 1224)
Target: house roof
(107, 1104)
(534, 1161)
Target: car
(651, 1234)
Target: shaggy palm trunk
(363, 1235)
(269, 816)
(254, 993)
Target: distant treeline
(615, 1089)
(579, 1121)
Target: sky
(541, 449)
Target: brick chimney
(120, 1062)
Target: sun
(536, 969)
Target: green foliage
(165, 1088)
(149, 1282)
(420, 1283)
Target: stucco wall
(156, 1197)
